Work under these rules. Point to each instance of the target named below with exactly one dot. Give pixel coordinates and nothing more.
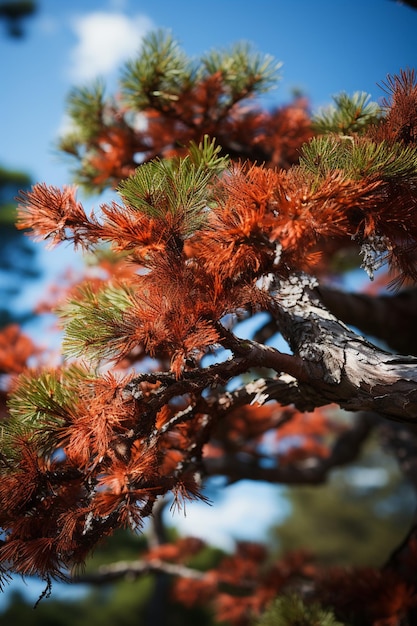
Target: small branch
(330, 364)
(312, 472)
(260, 355)
(401, 439)
(157, 605)
(158, 534)
(131, 570)
(193, 382)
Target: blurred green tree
(353, 519)
(17, 252)
(14, 13)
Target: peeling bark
(342, 366)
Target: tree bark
(391, 318)
(339, 365)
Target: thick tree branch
(390, 318)
(343, 367)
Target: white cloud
(105, 39)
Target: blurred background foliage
(17, 252)
(14, 14)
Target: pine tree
(225, 211)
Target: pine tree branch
(157, 605)
(390, 318)
(314, 471)
(342, 366)
(330, 364)
(158, 534)
(249, 354)
(131, 570)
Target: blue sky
(325, 46)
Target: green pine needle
(179, 188)
(206, 156)
(86, 106)
(38, 408)
(291, 611)
(358, 158)
(91, 322)
(87, 112)
(41, 401)
(159, 73)
(349, 114)
(162, 71)
(243, 70)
